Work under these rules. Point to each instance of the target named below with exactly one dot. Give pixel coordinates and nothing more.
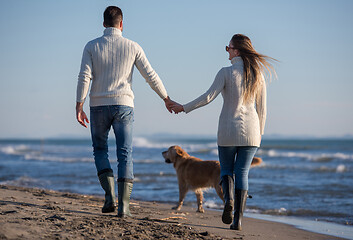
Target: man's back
(109, 61)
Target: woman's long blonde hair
(255, 65)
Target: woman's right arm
(209, 95)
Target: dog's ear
(179, 152)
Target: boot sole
(121, 215)
(108, 209)
(235, 228)
(227, 217)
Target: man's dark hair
(112, 16)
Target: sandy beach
(29, 213)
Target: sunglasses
(227, 48)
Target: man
(108, 62)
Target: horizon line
(173, 135)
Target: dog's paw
(200, 210)
(176, 208)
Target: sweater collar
(112, 31)
(236, 60)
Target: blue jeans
(121, 119)
(237, 161)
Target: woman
(241, 122)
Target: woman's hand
(173, 106)
(177, 108)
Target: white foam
(341, 168)
(49, 153)
(146, 161)
(14, 150)
(252, 210)
(211, 204)
(51, 158)
(282, 210)
(202, 147)
(27, 182)
(309, 156)
(144, 143)
(338, 169)
(214, 152)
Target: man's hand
(81, 115)
(173, 106)
(177, 108)
(169, 104)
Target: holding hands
(177, 108)
(169, 104)
(173, 106)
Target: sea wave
(301, 213)
(47, 153)
(280, 211)
(15, 150)
(147, 161)
(339, 168)
(51, 158)
(212, 204)
(146, 143)
(316, 157)
(25, 181)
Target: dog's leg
(199, 197)
(182, 193)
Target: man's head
(113, 17)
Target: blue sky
(42, 41)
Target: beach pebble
(204, 233)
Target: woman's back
(239, 122)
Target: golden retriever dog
(195, 174)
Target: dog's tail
(256, 161)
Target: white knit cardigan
(109, 62)
(240, 124)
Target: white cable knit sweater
(240, 124)
(109, 62)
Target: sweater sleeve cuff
(187, 108)
(163, 95)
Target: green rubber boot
(240, 203)
(124, 192)
(106, 180)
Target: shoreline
(322, 227)
(27, 213)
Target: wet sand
(28, 213)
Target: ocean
(307, 179)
